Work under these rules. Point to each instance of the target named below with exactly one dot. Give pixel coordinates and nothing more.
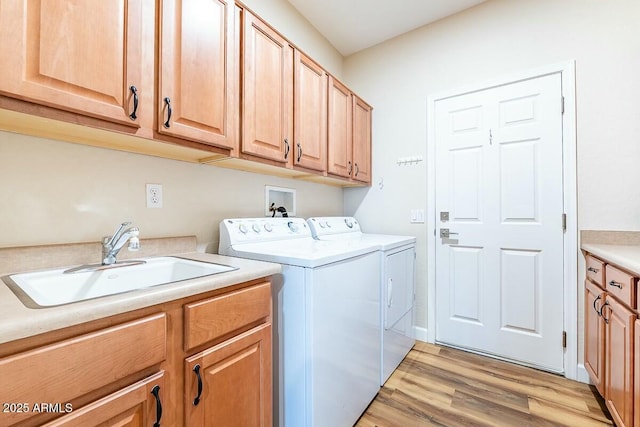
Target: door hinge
(564, 222)
(562, 105)
(564, 339)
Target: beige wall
(55, 192)
(494, 39)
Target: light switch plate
(417, 216)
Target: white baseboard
(582, 374)
(421, 333)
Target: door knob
(445, 233)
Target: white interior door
(499, 280)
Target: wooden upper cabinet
(361, 140)
(267, 92)
(79, 56)
(310, 114)
(594, 338)
(197, 82)
(340, 135)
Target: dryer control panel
(326, 225)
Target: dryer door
(398, 285)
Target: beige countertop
(17, 321)
(621, 248)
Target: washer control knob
(327, 224)
(321, 224)
(293, 226)
(348, 222)
(256, 228)
(243, 228)
(268, 227)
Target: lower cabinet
(230, 384)
(619, 361)
(139, 405)
(127, 370)
(636, 409)
(594, 334)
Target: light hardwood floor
(442, 386)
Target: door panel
(340, 144)
(499, 275)
(60, 56)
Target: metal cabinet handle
(357, 169)
(299, 152)
(389, 292)
(286, 148)
(134, 92)
(602, 312)
(349, 167)
(595, 301)
(593, 270)
(196, 369)
(156, 393)
(167, 102)
(615, 284)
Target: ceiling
(353, 25)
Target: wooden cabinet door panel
(80, 56)
(197, 78)
(340, 136)
(235, 382)
(310, 114)
(594, 335)
(267, 92)
(361, 141)
(636, 370)
(619, 361)
(133, 406)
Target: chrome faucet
(112, 245)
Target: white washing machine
(397, 283)
(326, 319)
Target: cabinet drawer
(214, 317)
(595, 270)
(71, 368)
(621, 285)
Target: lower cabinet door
(594, 334)
(636, 381)
(619, 361)
(230, 384)
(139, 405)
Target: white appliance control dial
(349, 222)
(327, 224)
(268, 227)
(256, 228)
(293, 226)
(321, 224)
(243, 228)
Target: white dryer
(397, 283)
(326, 319)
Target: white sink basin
(54, 287)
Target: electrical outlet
(154, 195)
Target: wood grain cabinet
(636, 370)
(138, 369)
(594, 334)
(80, 56)
(197, 79)
(349, 124)
(267, 92)
(611, 338)
(310, 114)
(230, 384)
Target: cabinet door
(139, 405)
(340, 136)
(230, 384)
(636, 381)
(198, 85)
(79, 56)
(361, 140)
(619, 361)
(594, 334)
(310, 114)
(267, 92)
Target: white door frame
(567, 71)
